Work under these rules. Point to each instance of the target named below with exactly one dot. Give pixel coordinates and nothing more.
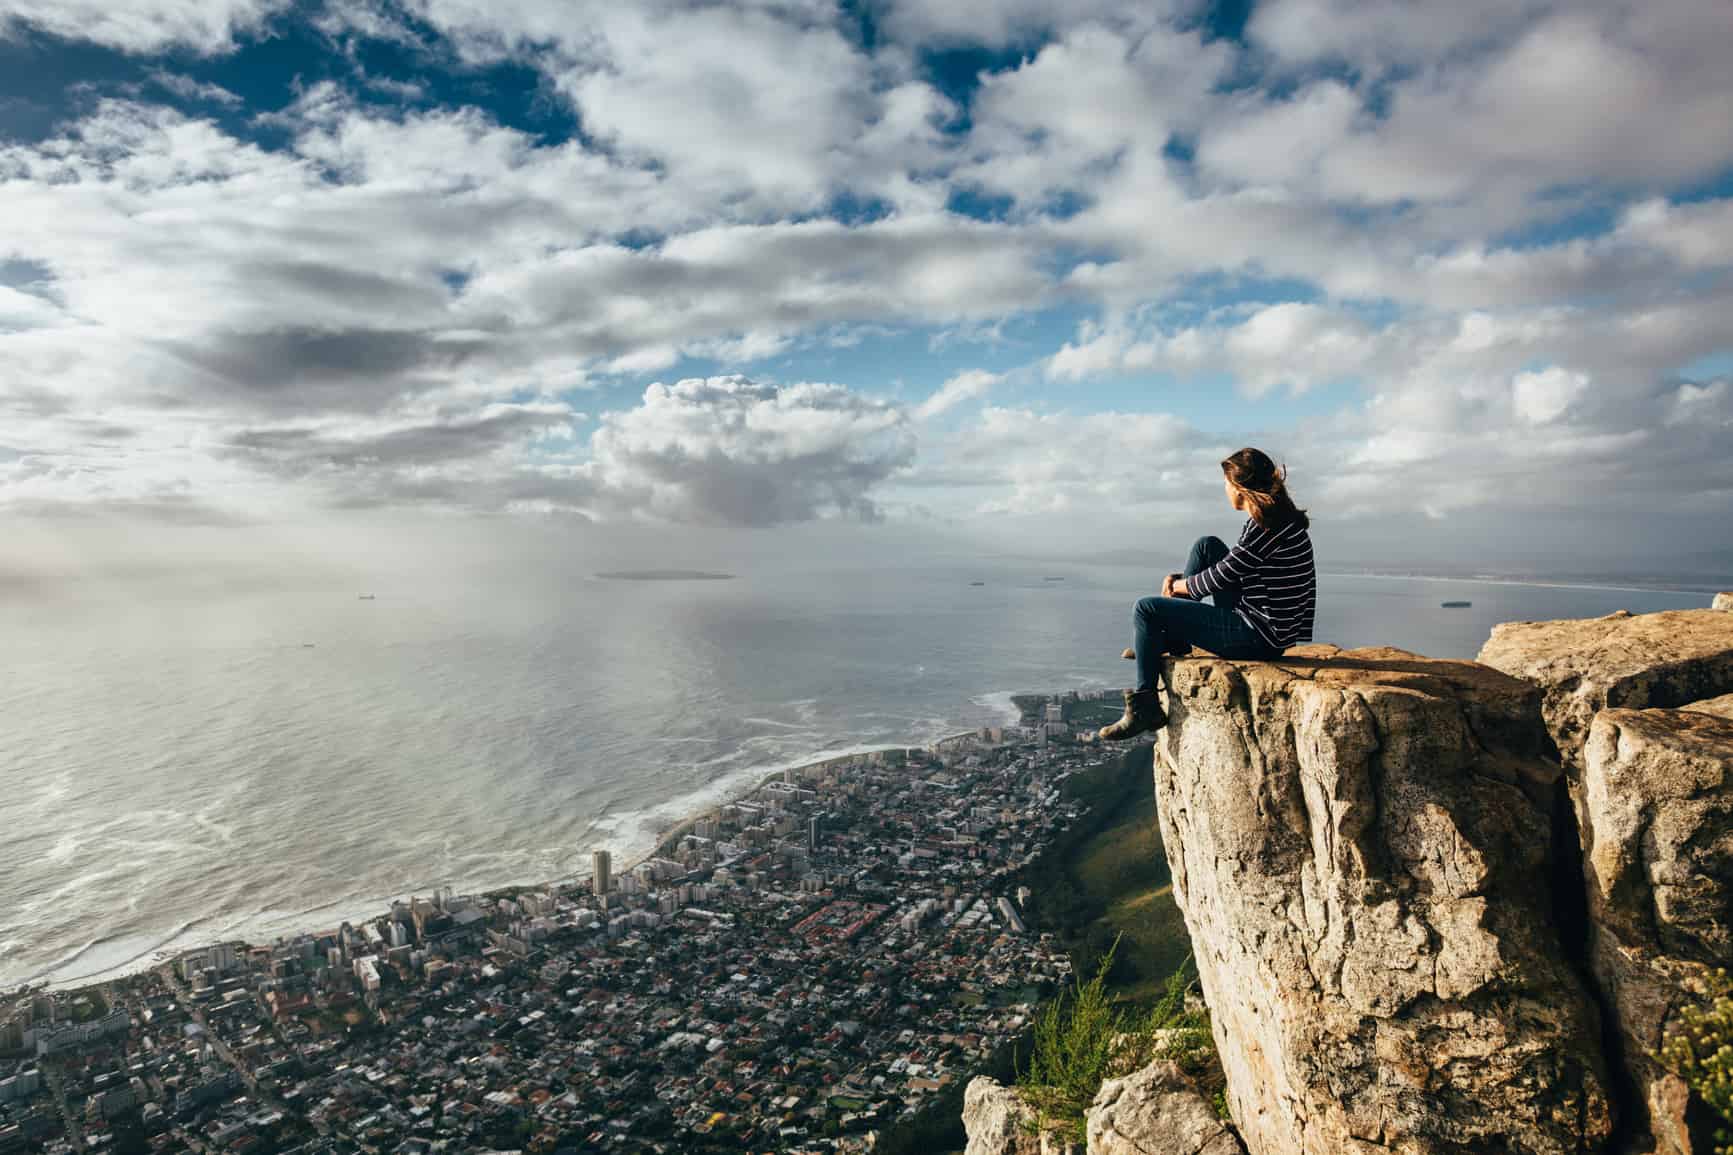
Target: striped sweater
(1278, 586)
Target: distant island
(664, 575)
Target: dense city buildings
(795, 970)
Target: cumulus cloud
(1025, 461)
(1488, 236)
(1293, 344)
(1544, 396)
(725, 450)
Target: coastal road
(74, 1132)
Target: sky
(1004, 274)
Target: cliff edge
(1449, 906)
(1361, 842)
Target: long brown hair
(1264, 485)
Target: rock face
(1658, 854)
(1654, 811)
(999, 1123)
(1616, 662)
(1156, 1111)
(1360, 844)
(1722, 602)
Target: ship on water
(1457, 605)
(367, 598)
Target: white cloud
(965, 386)
(187, 88)
(1292, 344)
(206, 26)
(395, 307)
(1544, 396)
(1000, 23)
(1023, 461)
(724, 450)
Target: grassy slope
(1107, 877)
(1123, 871)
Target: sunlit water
(180, 772)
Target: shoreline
(166, 950)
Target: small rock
(999, 1122)
(1723, 602)
(1156, 1111)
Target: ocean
(182, 770)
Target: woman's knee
(1149, 607)
(1205, 552)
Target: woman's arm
(1229, 573)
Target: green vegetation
(1082, 1039)
(1699, 1049)
(87, 1006)
(1105, 880)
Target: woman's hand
(1173, 586)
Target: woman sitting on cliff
(1264, 589)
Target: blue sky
(991, 265)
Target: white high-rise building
(601, 863)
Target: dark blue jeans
(1171, 625)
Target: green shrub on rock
(1082, 1040)
(1699, 1049)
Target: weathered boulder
(1619, 661)
(1156, 1111)
(1657, 810)
(1360, 844)
(1722, 601)
(999, 1122)
(1721, 707)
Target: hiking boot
(1143, 713)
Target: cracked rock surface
(1156, 1111)
(1621, 661)
(1360, 843)
(1000, 1123)
(1641, 709)
(1720, 707)
(1658, 864)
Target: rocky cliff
(1621, 661)
(1444, 906)
(1361, 842)
(1641, 709)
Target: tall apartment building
(601, 871)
